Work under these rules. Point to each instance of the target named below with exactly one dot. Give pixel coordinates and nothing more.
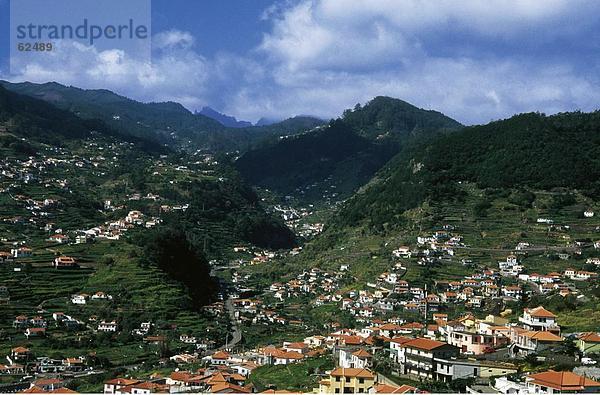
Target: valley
(290, 257)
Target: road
(237, 333)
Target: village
(396, 331)
(485, 328)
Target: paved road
(237, 333)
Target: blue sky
(475, 61)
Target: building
(539, 319)
(65, 262)
(105, 326)
(470, 342)
(58, 238)
(21, 252)
(552, 382)
(453, 369)
(347, 381)
(354, 358)
(418, 356)
(532, 342)
(391, 389)
(113, 386)
(589, 342)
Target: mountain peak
(223, 119)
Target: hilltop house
(65, 262)
(105, 326)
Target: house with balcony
(419, 357)
(526, 342)
(539, 319)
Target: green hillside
(164, 123)
(344, 155)
(525, 151)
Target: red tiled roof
(591, 337)
(352, 372)
(424, 344)
(540, 311)
(564, 381)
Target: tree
(170, 250)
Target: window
(337, 379)
(337, 391)
(347, 379)
(361, 380)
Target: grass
(294, 377)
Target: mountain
(526, 152)
(339, 158)
(166, 123)
(223, 119)
(39, 121)
(266, 121)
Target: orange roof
(389, 389)
(591, 337)
(20, 350)
(63, 391)
(121, 381)
(544, 336)
(540, 311)
(220, 355)
(401, 339)
(216, 378)
(390, 327)
(564, 381)
(424, 344)
(351, 339)
(362, 353)
(228, 387)
(413, 325)
(296, 345)
(352, 372)
(33, 390)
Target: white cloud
(173, 39)
(474, 61)
(178, 74)
(327, 55)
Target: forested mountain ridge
(344, 155)
(525, 151)
(165, 123)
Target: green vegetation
(344, 155)
(162, 123)
(302, 376)
(526, 151)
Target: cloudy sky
(473, 60)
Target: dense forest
(349, 150)
(526, 151)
